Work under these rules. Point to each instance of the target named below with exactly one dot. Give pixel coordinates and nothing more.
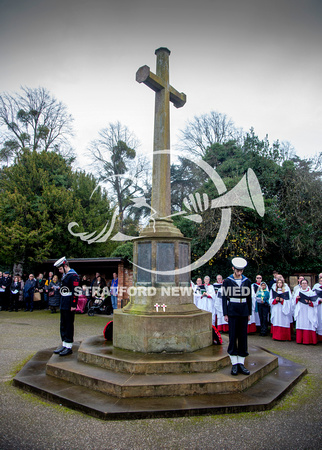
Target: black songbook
(318, 293)
(217, 286)
(255, 287)
(200, 289)
(283, 295)
(306, 299)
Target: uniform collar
(243, 278)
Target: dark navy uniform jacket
(6, 281)
(231, 289)
(67, 290)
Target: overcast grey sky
(257, 61)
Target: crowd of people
(28, 292)
(275, 307)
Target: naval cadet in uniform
(68, 304)
(237, 308)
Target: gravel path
(28, 422)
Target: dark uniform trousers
(237, 313)
(237, 335)
(263, 312)
(67, 318)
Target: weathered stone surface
(99, 352)
(164, 94)
(127, 384)
(148, 258)
(161, 250)
(261, 395)
(160, 332)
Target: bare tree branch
(205, 130)
(115, 162)
(34, 120)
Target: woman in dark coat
(54, 294)
(14, 294)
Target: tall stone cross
(164, 94)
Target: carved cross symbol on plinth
(164, 93)
(157, 306)
(163, 307)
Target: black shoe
(26, 310)
(242, 369)
(66, 351)
(59, 349)
(234, 369)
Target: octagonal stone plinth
(215, 380)
(162, 332)
(261, 395)
(96, 351)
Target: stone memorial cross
(161, 249)
(164, 93)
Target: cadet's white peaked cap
(239, 263)
(60, 262)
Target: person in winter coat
(28, 292)
(262, 306)
(14, 294)
(54, 294)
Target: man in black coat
(237, 309)
(5, 285)
(68, 304)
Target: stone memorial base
(162, 332)
(161, 315)
(109, 383)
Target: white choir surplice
(209, 300)
(281, 315)
(196, 295)
(296, 289)
(254, 318)
(306, 318)
(222, 325)
(318, 289)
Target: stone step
(124, 385)
(259, 397)
(99, 352)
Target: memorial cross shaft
(161, 251)
(164, 94)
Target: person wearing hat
(237, 308)
(68, 304)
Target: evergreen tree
(287, 237)
(39, 196)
